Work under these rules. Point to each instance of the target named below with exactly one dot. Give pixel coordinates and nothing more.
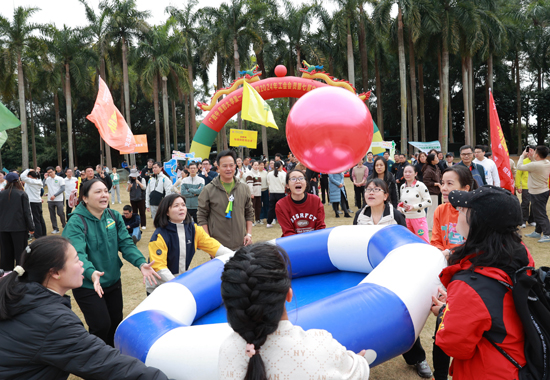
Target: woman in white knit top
(415, 197)
(276, 181)
(265, 344)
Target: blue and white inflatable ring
(181, 326)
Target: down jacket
(44, 339)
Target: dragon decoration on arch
(308, 71)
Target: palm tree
(349, 12)
(125, 22)
(160, 56)
(69, 45)
(19, 35)
(186, 20)
(97, 29)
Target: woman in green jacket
(98, 234)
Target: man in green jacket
(225, 207)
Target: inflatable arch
(276, 87)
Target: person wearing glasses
(301, 211)
(467, 156)
(380, 212)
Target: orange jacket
(444, 235)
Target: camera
(132, 179)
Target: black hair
(161, 218)
(279, 155)
(277, 164)
(50, 168)
(85, 189)
(464, 147)
(449, 154)
(33, 174)
(464, 176)
(369, 153)
(255, 283)
(159, 164)
(46, 254)
(226, 153)
(128, 208)
(378, 183)
(412, 166)
(430, 158)
(432, 150)
(491, 246)
(192, 163)
(483, 148)
(89, 167)
(206, 159)
(151, 160)
(374, 174)
(542, 151)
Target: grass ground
(395, 369)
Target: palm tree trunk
(74, 148)
(127, 91)
(451, 136)
(186, 106)
(421, 99)
(518, 102)
(264, 142)
(298, 59)
(489, 83)
(58, 129)
(402, 81)
(409, 120)
(166, 119)
(192, 101)
(157, 117)
(223, 133)
(414, 106)
(472, 94)
(175, 125)
(107, 150)
(101, 151)
(237, 69)
(351, 63)
(379, 112)
(465, 95)
(363, 50)
(33, 139)
(22, 113)
(444, 128)
(68, 102)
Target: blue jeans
(137, 233)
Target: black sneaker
(347, 216)
(134, 238)
(423, 369)
(337, 215)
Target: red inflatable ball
(280, 70)
(329, 129)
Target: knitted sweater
(276, 184)
(294, 354)
(416, 196)
(254, 181)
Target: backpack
(531, 295)
(86, 224)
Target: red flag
(109, 121)
(499, 148)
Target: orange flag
(499, 148)
(109, 121)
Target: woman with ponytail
(41, 337)
(255, 286)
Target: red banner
(109, 121)
(499, 148)
(141, 145)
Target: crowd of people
(214, 206)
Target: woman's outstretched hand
(149, 274)
(97, 284)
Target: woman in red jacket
(478, 306)
(300, 212)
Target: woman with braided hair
(265, 344)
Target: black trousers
(538, 206)
(193, 213)
(273, 199)
(139, 206)
(12, 245)
(416, 354)
(441, 360)
(526, 208)
(68, 209)
(359, 196)
(38, 219)
(324, 187)
(103, 315)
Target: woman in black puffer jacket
(41, 337)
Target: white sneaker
(533, 224)
(268, 225)
(55, 231)
(522, 226)
(119, 203)
(254, 224)
(113, 203)
(274, 221)
(143, 228)
(260, 222)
